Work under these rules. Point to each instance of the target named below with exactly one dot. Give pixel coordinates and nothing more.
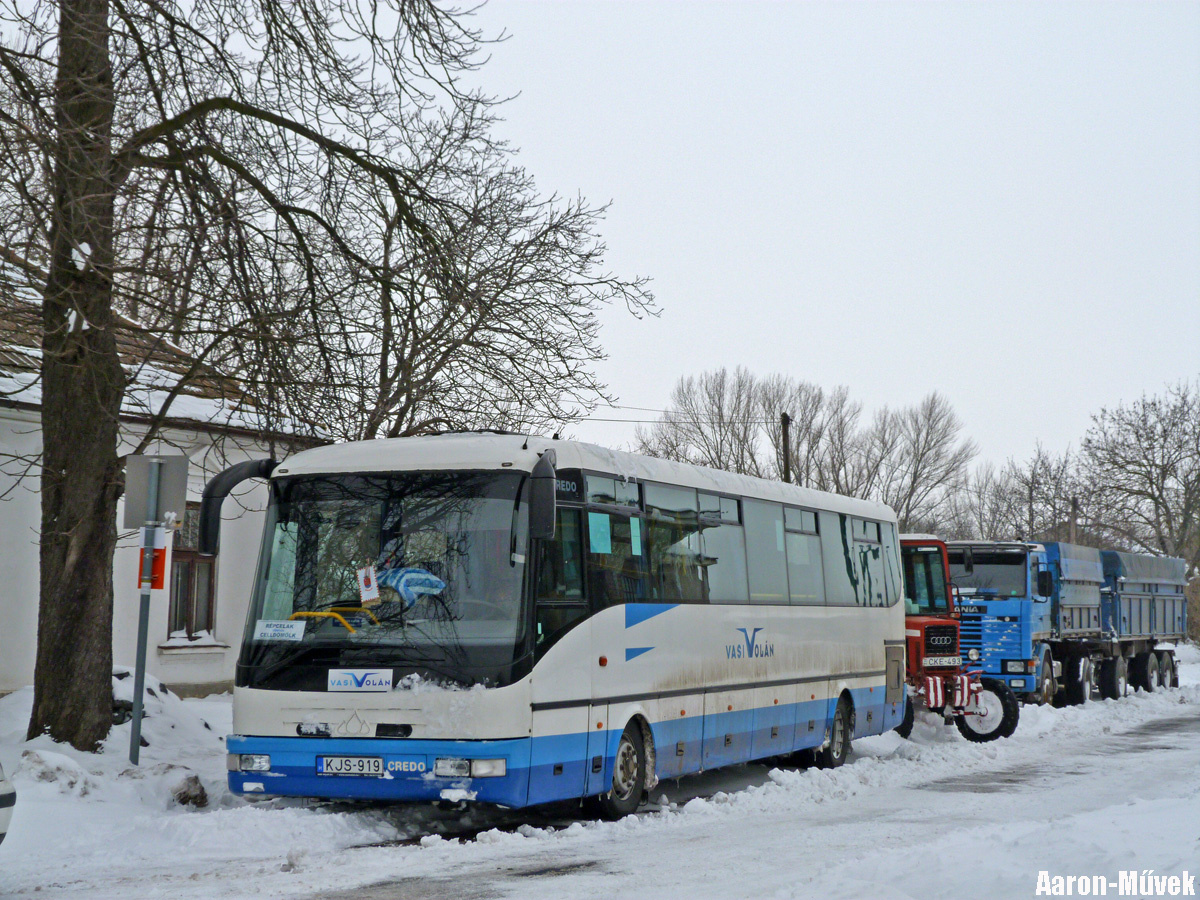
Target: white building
(196, 620)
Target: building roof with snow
(208, 400)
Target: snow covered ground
(1094, 790)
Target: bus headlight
(489, 768)
(470, 768)
(254, 762)
(452, 768)
(973, 655)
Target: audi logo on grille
(940, 640)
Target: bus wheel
(629, 775)
(997, 713)
(835, 753)
(1167, 676)
(1114, 678)
(904, 729)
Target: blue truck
(1064, 623)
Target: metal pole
(1074, 517)
(785, 420)
(147, 577)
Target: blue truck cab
(1005, 622)
(1066, 623)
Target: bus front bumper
(407, 769)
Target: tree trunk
(82, 386)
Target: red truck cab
(983, 709)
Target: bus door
(562, 687)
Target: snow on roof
(486, 451)
(152, 364)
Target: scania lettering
(522, 620)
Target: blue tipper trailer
(1061, 622)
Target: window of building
(193, 581)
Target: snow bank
(75, 808)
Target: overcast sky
(998, 201)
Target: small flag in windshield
(368, 586)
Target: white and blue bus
(517, 620)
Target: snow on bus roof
(485, 451)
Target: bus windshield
(416, 570)
(924, 581)
(998, 572)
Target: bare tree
(715, 420)
(911, 459)
(217, 136)
(1144, 460)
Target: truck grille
(971, 632)
(940, 640)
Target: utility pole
(1074, 516)
(786, 421)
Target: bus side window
(616, 544)
(765, 553)
(675, 560)
(560, 601)
(560, 561)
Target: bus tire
(1001, 723)
(629, 776)
(1114, 678)
(904, 729)
(1167, 676)
(835, 752)
(1144, 674)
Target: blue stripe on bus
(552, 767)
(636, 613)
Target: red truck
(984, 709)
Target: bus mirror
(217, 490)
(542, 485)
(1045, 583)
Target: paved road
(1094, 802)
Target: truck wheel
(1145, 672)
(1000, 709)
(1046, 686)
(835, 753)
(1114, 678)
(629, 776)
(904, 729)
(1079, 683)
(1167, 676)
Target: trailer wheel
(629, 776)
(833, 755)
(1145, 671)
(904, 729)
(1167, 676)
(1114, 678)
(1001, 714)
